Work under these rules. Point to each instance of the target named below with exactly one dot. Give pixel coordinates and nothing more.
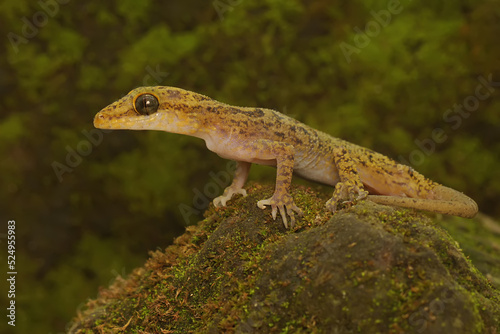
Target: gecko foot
(346, 192)
(229, 192)
(281, 202)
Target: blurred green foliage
(123, 197)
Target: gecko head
(153, 108)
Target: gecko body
(267, 137)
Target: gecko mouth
(127, 121)
(103, 121)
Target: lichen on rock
(366, 269)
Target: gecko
(263, 136)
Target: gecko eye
(146, 104)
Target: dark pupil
(146, 104)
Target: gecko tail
(448, 201)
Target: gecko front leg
(283, 153)
(350, 188)
(236, 187)
(268, 152)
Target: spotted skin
(267, 137)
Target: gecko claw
(346, 193)
(285, 207)
(228, 194)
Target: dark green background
(78, 231)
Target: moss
(480, 241)
(369, 268)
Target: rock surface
(365, 269)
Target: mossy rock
(365, 269)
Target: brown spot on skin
(256, 113)
(174, 94)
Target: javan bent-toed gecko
(267, 137)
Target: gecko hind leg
(350, 188)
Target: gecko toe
(283, 215)
(263, 203)
(347, 194)
(242, 192)
(285, 205)
(274, 212)
(297, 210)
(229, 192)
